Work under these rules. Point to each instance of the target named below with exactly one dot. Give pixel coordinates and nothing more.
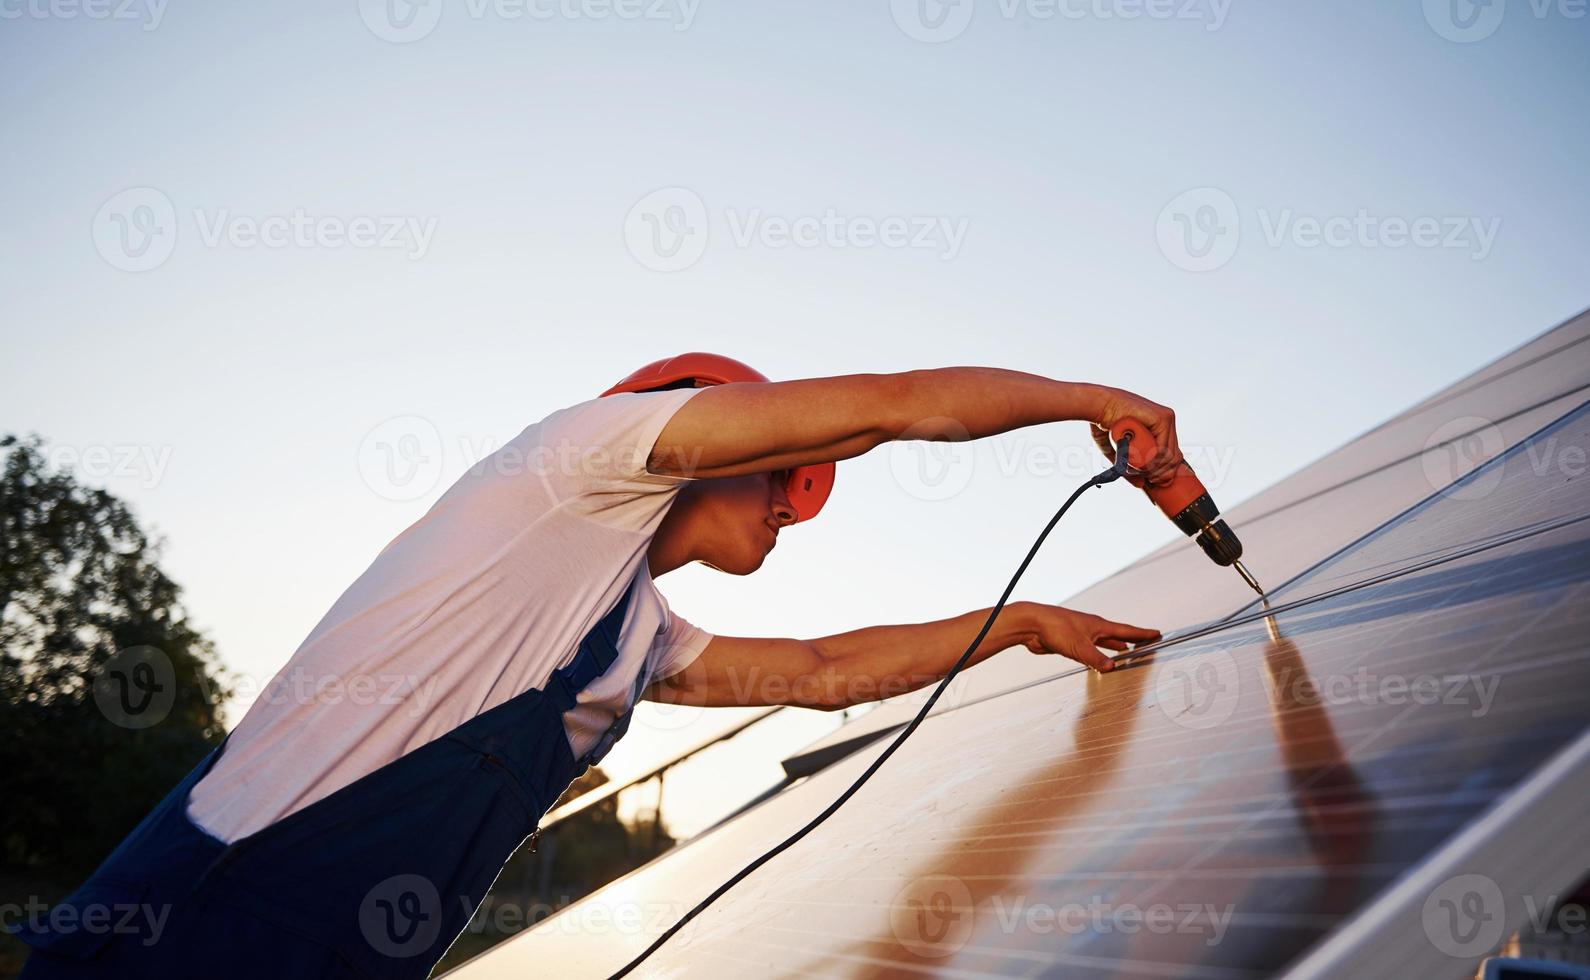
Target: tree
(108, 694)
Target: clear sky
(240, 240)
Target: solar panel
(1225, 805)
(1304, 518)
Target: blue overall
(375, 880)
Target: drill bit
(1248, 578)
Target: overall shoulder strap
(597, 652)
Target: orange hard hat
(807, 487)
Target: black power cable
(1118, 470)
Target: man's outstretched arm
(883, 661)
(755, 427)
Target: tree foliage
(80, 586)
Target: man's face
(743, 515)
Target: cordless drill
(1184, 499)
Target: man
(502, 641)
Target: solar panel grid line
(1430, 511)
(1426, 804)
(892, 966)
(1557, 339)
(1357, 748)
(1465, 387)
(1570, 406)
(1255, 617)
(1201, 856)
(1561, 697)
(1541, 380)
(1179, 547)
(1147, 968)
(1498, 536)
(1239, 918)
(1297, 604)
(1382, 937)
(1247, 520)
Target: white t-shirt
(476, 602)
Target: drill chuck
(1201, 521)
